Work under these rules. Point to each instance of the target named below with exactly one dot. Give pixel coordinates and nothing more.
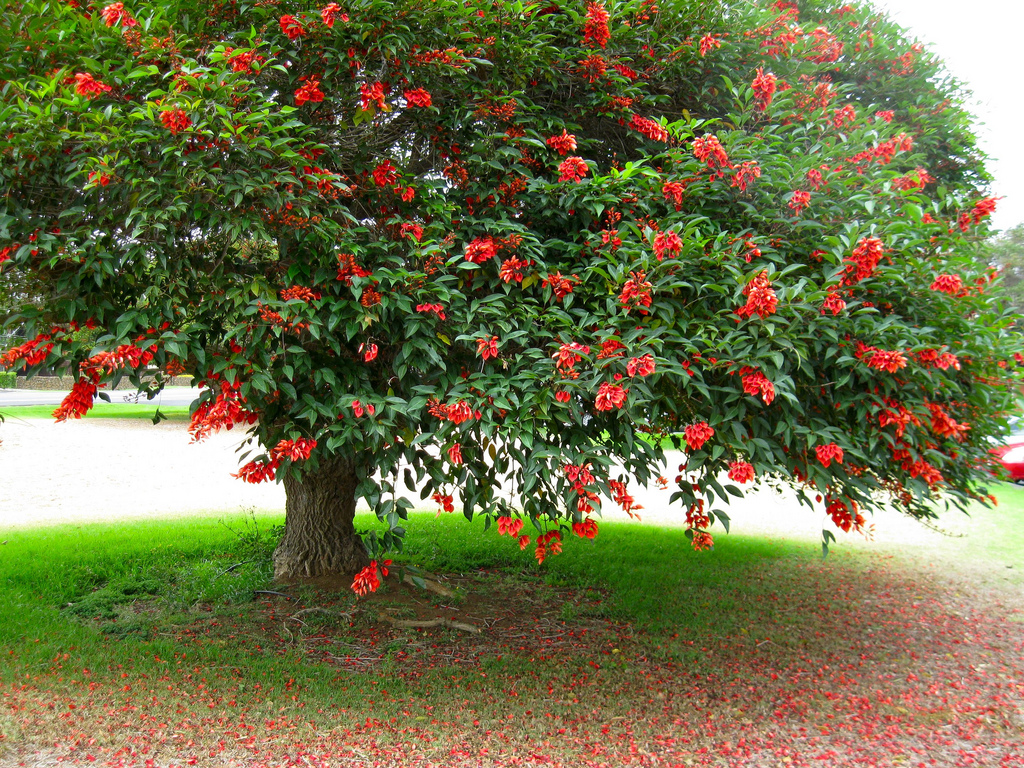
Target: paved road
(170, 396)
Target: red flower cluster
(652, 129)
(508, 526)
(291, 27)
(368, 580)
(310, 91)
(547, 542)
(561, 286)
(889, 361)
(456, 413)
(563, 144)
(982, 208)
(511, 269)
(636, 293)
(866, 255)
(709, 42)
(223, 412)
(761, 298)
(78, 401)
(115, 14)
(833, 303)
(673, 190)
(329, 12)
(445, 502)
(640, 366)
(951, 284)
(348, 268)
(698, 434)
(568, 355)
(596, 29)
(368, 351)
(610, 396)
(586, 529)
(385, 174)
(828, 453)
(360, 409)
(572, 169)
(885, 115)
(481, 249)
(708, 149)
(667, 244)
(418, 97)
(741, 472)
(798, 201)
(845, 517)
(88, 86)
(259, 471)
(371, 94)
(746, 172)
(841, 117)
(175, 120)
(945, 425)
(757, 384)
(487, 348)
(437, 309)
(764, 86)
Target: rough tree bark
(319, 538)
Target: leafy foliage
(485, 248)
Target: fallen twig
(440, 621)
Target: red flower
(512, 269)
(834, 303)
(741, 472)
(359, 409)
(455, 454)
(509, 526)
(673, 190)
(563, 396)
(827, 453)
(369, 352)
(568, 355)
(887, 360)
(437, 309)
(481, 249)
(86, 85)
(175, 120)
(761, 298)
(610, 396)
(708, 149)
(698, 434)
(371, 94)
(708, 42)
(385, 174)
(367, 580)
(636, 293)
(329, 12)
(702, 540)
(667, 243)
(951, 284)
(78, 401)
(294, 450)
(866, 255)
(652, 129)
(291, 27)
(756, 384)
(983, 208)
(885, 115)
(445, 501)
(524, 541)
(561, 286)
(572, 169)
(115, 14)
(596, 28)
(746, 173)
(95, 177)
(310, 91)
(840, 117)
(417, 97)
(640, 366)
(845, 517)
(764, 89)
(255, 472)
(487, 348)
(563, 144)
(798, 201)
(585, 530)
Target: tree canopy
(509, 253)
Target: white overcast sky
(981, 42)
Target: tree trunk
(319, 538)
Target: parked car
(1011, 453)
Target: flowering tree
(508, 253)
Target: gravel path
(96, 469)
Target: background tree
(1005, 252)
(507, 253)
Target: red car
(1011, 454)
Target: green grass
(100, 411)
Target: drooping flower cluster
(572, 169)
(481, 249)
(698, 434)
(833, 303)
(828, 453)
(889, 361)
(757, 384)
(115, 15)
(368, 580)
(610, 396)
(371, 93)
(667, 244)
(309, 92)
(764, 89)
(761, 298)
(88, 86)
(745, 173)
(175, 120)
(563, 143)
(636, 293)
(741, 472)
(568, 355)
(596, 29)
(330, 12)
(417, 97)
(258, 471)
(487, 348)
(866, 255)
(561, 286)
(652, 129)
(640, 366)
(708, 149)
(951, 284)
(799, 200)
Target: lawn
(166, 644)
(101, 410)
